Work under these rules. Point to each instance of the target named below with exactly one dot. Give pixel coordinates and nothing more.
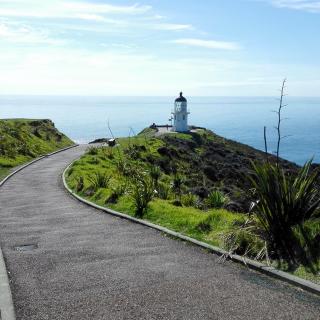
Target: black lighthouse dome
(181, 98)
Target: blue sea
(238, 118)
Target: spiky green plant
(163, 191)
(177, 184)
(189, 200)
(155, 174)
(246, 239)
(217, 199)
(142, 192)
(125, 168)
(99, 180)
(285, 202)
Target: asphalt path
(69, 261)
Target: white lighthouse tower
(180, 115)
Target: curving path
(89, 265)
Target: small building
(180, 114)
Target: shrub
(142, 192)
(134, 151)
(163, 191)
(99, 180)
(189, 200)
(217, 199)
(125, 168)
(284, 204)
(245, 239)
(155, 174)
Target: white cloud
(20, 33)
(92, 16)
(64, 9)
(173, 26)
(305, 5)
(59, 71)
(210, 44)
(111, 60)
(70, 71)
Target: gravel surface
(88, 265)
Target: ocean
(239, 118)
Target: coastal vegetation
(22, 140)
(286, 213)
(204, 186)
(287, 209)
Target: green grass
(204, 225)
(305, 274)
(22, 140)
(182, 136)
(4, 172)
(187, 220)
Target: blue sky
(159, 47)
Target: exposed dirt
(209, 161)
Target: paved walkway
(89, 265)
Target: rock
(100, 140)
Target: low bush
(99, 180)
(155, 174)
(285, 204)
(125, 168)
(245, 239)
(142, 192)
(217, 199)
(163, 191)
(189, 200)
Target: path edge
(254, 265)
(7, 311)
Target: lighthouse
(180, 114)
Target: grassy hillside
(209, 162)
(206, 165)
(105, 176)
(201, 188)
(195, 183)
(22, 140)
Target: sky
(159, 47)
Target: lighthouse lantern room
(180, 115)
